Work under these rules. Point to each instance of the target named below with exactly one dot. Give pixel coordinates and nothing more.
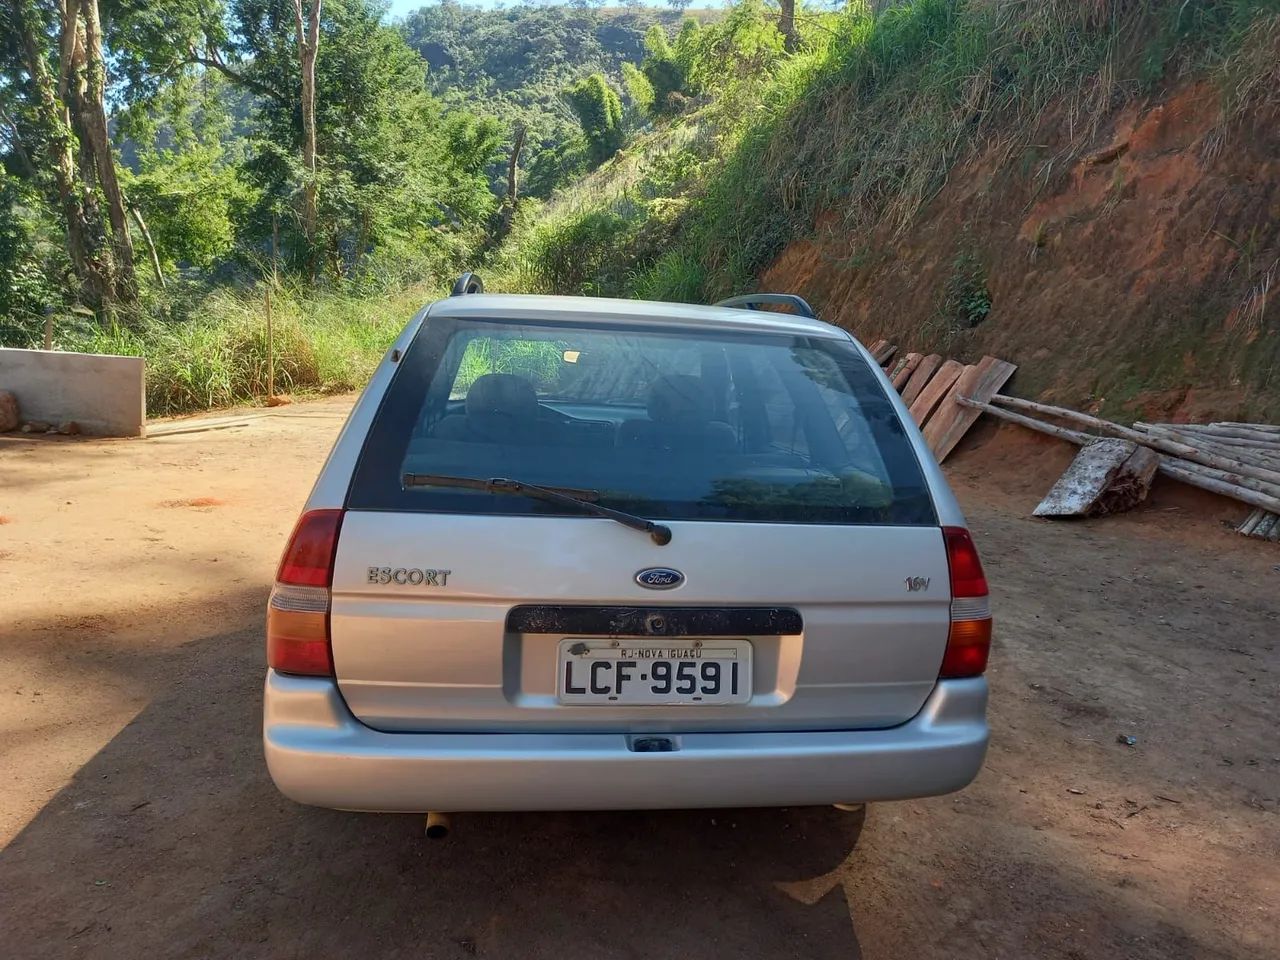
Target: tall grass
(323, 343)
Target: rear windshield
(666, 423)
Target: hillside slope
(1133, 274)
(1089, 188)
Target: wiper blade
(581, 500)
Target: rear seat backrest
(680, 418)
(500, 408)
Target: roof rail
(467, 283)
(753, 301)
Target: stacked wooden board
(931, 387)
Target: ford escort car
(573, 553)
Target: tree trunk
(1107, 476)
(510, 203)
(151, 247)
(1206, 478)
(513, 167)
(79, 212)
(787, 24)
(1248, 474)
(308, 29)
(93, 105)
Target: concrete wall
(106, 395)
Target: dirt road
(138, 821)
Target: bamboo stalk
(1253, 477)
(1169, 466)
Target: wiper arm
(581, 500)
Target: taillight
(298, 611)
(969, 641)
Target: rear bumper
(319, 754)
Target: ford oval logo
(659, 578)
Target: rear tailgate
(435, 652)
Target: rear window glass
(664, 423)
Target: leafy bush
(966, 300)
(599, 111)
(584, 254)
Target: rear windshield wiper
(581, 500)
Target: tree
(638, 88)
(59, 126)
(82, 83)
(308, 33)
(664, 71)
(599, 111)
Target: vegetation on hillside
(516, 62)
(862, 122)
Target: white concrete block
(106, 395)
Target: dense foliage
(517, 62)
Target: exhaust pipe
(851, 807)
(437, 827)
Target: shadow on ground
(171, 841)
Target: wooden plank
(918, 380)
(937, 388)
(885, 353)
(1109, 476)
(875, 348)
(906, 366)
(951, 421)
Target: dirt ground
(137, 819)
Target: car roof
(597, 310)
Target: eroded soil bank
(1127, 260)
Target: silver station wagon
(573, 553)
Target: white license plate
(630, 672)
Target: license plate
(626, 673)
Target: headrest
(503, 394)
(680, 398)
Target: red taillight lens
(967, 578)
(308, 560)
(298, 612)
(969, 642)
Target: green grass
(323, 343)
